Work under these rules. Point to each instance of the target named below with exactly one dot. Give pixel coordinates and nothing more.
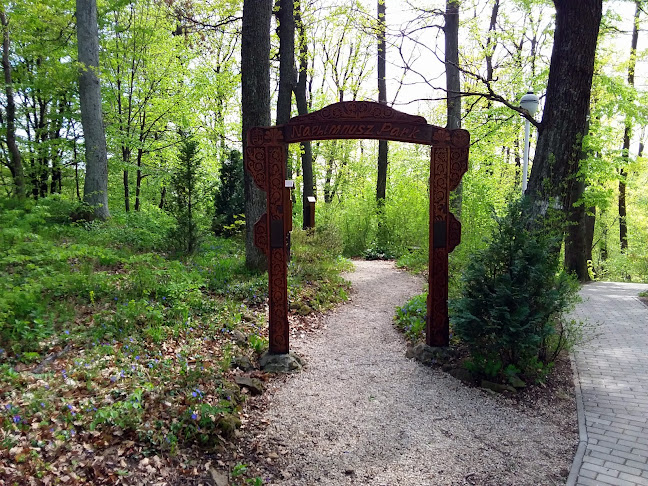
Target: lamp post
(528, 102)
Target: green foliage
(410, 318)
(512, 297)
(314, 281)
(229, 200)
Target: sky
(400, 13)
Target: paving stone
(613, 376)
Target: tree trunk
(381, 181)
(126, 191)
(564, 120)
(56, 153)
(15, 159)
(138, 180)
(162, 198)
(76, 170)
(42, 136)
(308, 189)
(590, 221)
(286, 31)
(623, 225)
(328, 190)
(255, 98)
(453, 81)
(95, 188)
(575, 237)
(627, 133)
(576, 230)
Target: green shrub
(314, 281)
(185, 201)
(229, 199)
(512, 297)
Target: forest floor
(127, 370)
(362, 413)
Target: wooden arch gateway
(265, 160)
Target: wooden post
(311, 212)
(437, 327)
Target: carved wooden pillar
(448, 163)
(266, 161)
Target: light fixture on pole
(529, 102)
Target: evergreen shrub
(513, 295)
(229, 198)
(186, 195)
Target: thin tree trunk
(55, 153)
(76, 171)
(575, 241)
(255, 97)
(381, 181)
(95, 189)
(162, 198)
(308, 189)
(286, 31)
(627, 133)
(126, 155)
(590, 222)
(576, 230)
(328, 190)
(138, 180)
(42, 136)
(15, 167)
(453, 81)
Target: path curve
(363, 414)
(612, 377)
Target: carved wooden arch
(265, 160)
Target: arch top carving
(369, 120)
(358, 110)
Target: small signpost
(265, 160)
(310, 213)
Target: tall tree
(564, 120)
(15, 159)
(453, 81)
(95, 188)
(302, 108)
(142, 66)
(286, 29)
(381, 181)
(255, 97)
(627, 133)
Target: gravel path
(361, 413)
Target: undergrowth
(107, 338)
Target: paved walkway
(612, 368)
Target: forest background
(160, 267)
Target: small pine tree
(229, 199)
(513, 292)
(186, 192)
